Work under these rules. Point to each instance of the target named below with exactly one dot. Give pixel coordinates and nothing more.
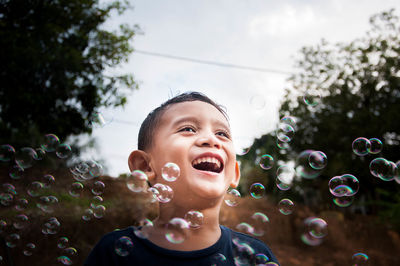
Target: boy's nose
(209, 140)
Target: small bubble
(291, 121)
(137, 181)
(145, 225)
(123, 246)
(177, 230)
(312, 97)
(76, 189)
(24, 158)
(261, 259)
(257, 190)
(51, 142)
(98, 188)
(266, 161)
(62, 242)
(259, 222)
(99, 120)
(376, 146)
(286, 206)
(40, 154)
(170, 172)
(7, 153)
(35, 189)
(63, 151)
(96, 200)
(51, 226)
(218, 259)
(343, 201)
(164, 192)
(29, 249)
(317, 227)
(361, 146)
(99, 211)
(318, 160)
(285, 132)
(232, 198)
(48, 181)
(21, 221)
(359, 259)
(88, 214)
(16, 172)
(245, 228)
(12, 240)
(6, 199)
(64, 260)
(194, 218)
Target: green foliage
(55, 62)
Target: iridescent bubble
(284, 177)
(285, 132)
(344, 185)
(6, 199)
(245, 228)
(29, 249)
(62, 242)
(9, 188)
(317, 227)
(304, 168)
(381, 168)
(50, 143)
(87, 215)
(99, 211)
(3, 225)
(47, 203)
(266, 161)
(218, 260)
(291, 121)
(152, 195)
(259, 222)
(361, 146)
(312, 97)
(376, 146)
(165, 193)
(232, 198)
(16, 172)
(243, 253)
(48, 181)
(286, 206)
(7, 153)
(98, 188)
(282, 145)
(170, 172)
(63, 151)
(21, 221)
(95, 169)
(123, 246)
(261, 259)
(318, 160)
(96, 200)
(98, 119)
(257, 190)
(194, 218)
(51, 226)
(352, 182)
(71, 252)
(64, 260)
(177, 230)
(257, 102)
(76, 189)
(35, 189)
(310, 240)
(137, 181)
(343, 201)
(40, 154)
(12, 240)
(24, 158)
(359, 259)
(144, 228)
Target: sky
(255, 33)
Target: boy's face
(195, 136)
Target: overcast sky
(257, 33)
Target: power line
(275, 71)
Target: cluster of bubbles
(362, 146)
(285, 131)
(315, 230)
(244, 254)
(256, 226)
(385, 170)
(343, 188)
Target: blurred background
(312, 91)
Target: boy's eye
(224, 134)
(187, 129)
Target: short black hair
(149, 125)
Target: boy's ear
(236, 178)
(140, 160)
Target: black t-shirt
(232, 248)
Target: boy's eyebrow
(196, 121)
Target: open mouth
(210, 164)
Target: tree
(55, 56)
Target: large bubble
(318, 160)
(232, 198)
(194, 218)
(170, 172)
(137, 181)
(286, 206)
(303, 167)
(257, 190)
(164, 192)
(177, 230)
(382, 168)
(266, 161)
(361, 146)
(50, 143)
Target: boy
(193, 132)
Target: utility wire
(275, 71)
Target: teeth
(207, 159)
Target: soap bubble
(63, 151)
(282, 145)
(243, 253)
(284, 177)
(96, 200)
(95, 169)
(40, 154)
(344, 185)
(62, 242)
(3, 225)
(87, 215)
(266, 161)
(29, 249)
(35, 189)
(143, 230)
(47, 203)
(51, 142)
(64, 260)
(165, 193)
(21, 221)
(312, 97)
(21, 204)
(359, 259)
(170, 172)
(98, 188)
(99, 211)
(98, 119)
(7, 153)
(245, 228)
(51, 226)
(317, 160)
(317, 227)
(177, 230)
(343, 201)
(261, 259)
(48, 181)
(285, 132)
(12, 240)
(259, 222)
(381, 168)
(257, 190)
(6, 199)
(232, 198)
(218, 260)
(361, 146)
(76, 189)
(123, 246)
(24, 158)
(194, 218)
(376, 146)
(9, 188)
(16, 172)
(286, 206)
(137, 181)
(290, 120)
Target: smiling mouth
(209, 164)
